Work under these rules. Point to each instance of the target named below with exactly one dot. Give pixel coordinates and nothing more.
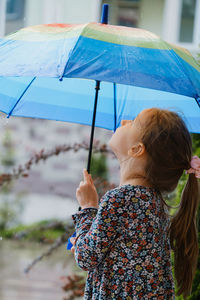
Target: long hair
(169, 149)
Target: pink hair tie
(195, 166)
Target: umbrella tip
(104, 17)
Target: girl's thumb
(72, 240)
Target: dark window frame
(18, 10)
(180, 40)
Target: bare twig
(102, 186)
(60, 241)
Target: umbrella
(141, 65)
(136, 68)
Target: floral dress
(124, 246)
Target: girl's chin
(110, 145)
(112, 148)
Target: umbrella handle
(69, 244)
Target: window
(130, 1)
(128, 16)
(14, 9)
(124, 12)
(187, 22)
(14, 15)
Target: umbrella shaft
(97, 88)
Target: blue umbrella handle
(69, 244)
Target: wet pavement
(43, 281)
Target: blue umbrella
(146, 71)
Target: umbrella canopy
(102, 52)
(146, 71)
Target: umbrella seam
(198, 101)
(185, 71)
(178, 58)
(9, 114)
(72, 50)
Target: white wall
(171, 20)
(151, 15)
(33, 12)
(62, 11)
(81, 11)
(2, 17)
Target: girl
(124, 241)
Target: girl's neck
(132, 174)
(134, 181)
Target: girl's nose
(124, 122)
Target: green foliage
(38, 232)
(98, 166)
(7, 156)
(198, 57)
(10, 208)
(10, 203)
(196, 143)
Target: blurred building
(177, 21)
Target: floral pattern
(124, 246)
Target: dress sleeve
(96, 229)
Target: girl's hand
(72, 240)
(86, 193)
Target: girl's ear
(137, 150)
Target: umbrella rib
(72, 50)
(198, 101)
(9, 114)
(115, 108)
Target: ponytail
(184, 237)
(168, 146)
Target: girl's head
(159, 137)
(160, 141)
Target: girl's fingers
(72, 240)
(73, 249)
(86, 176)
(91, 180)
